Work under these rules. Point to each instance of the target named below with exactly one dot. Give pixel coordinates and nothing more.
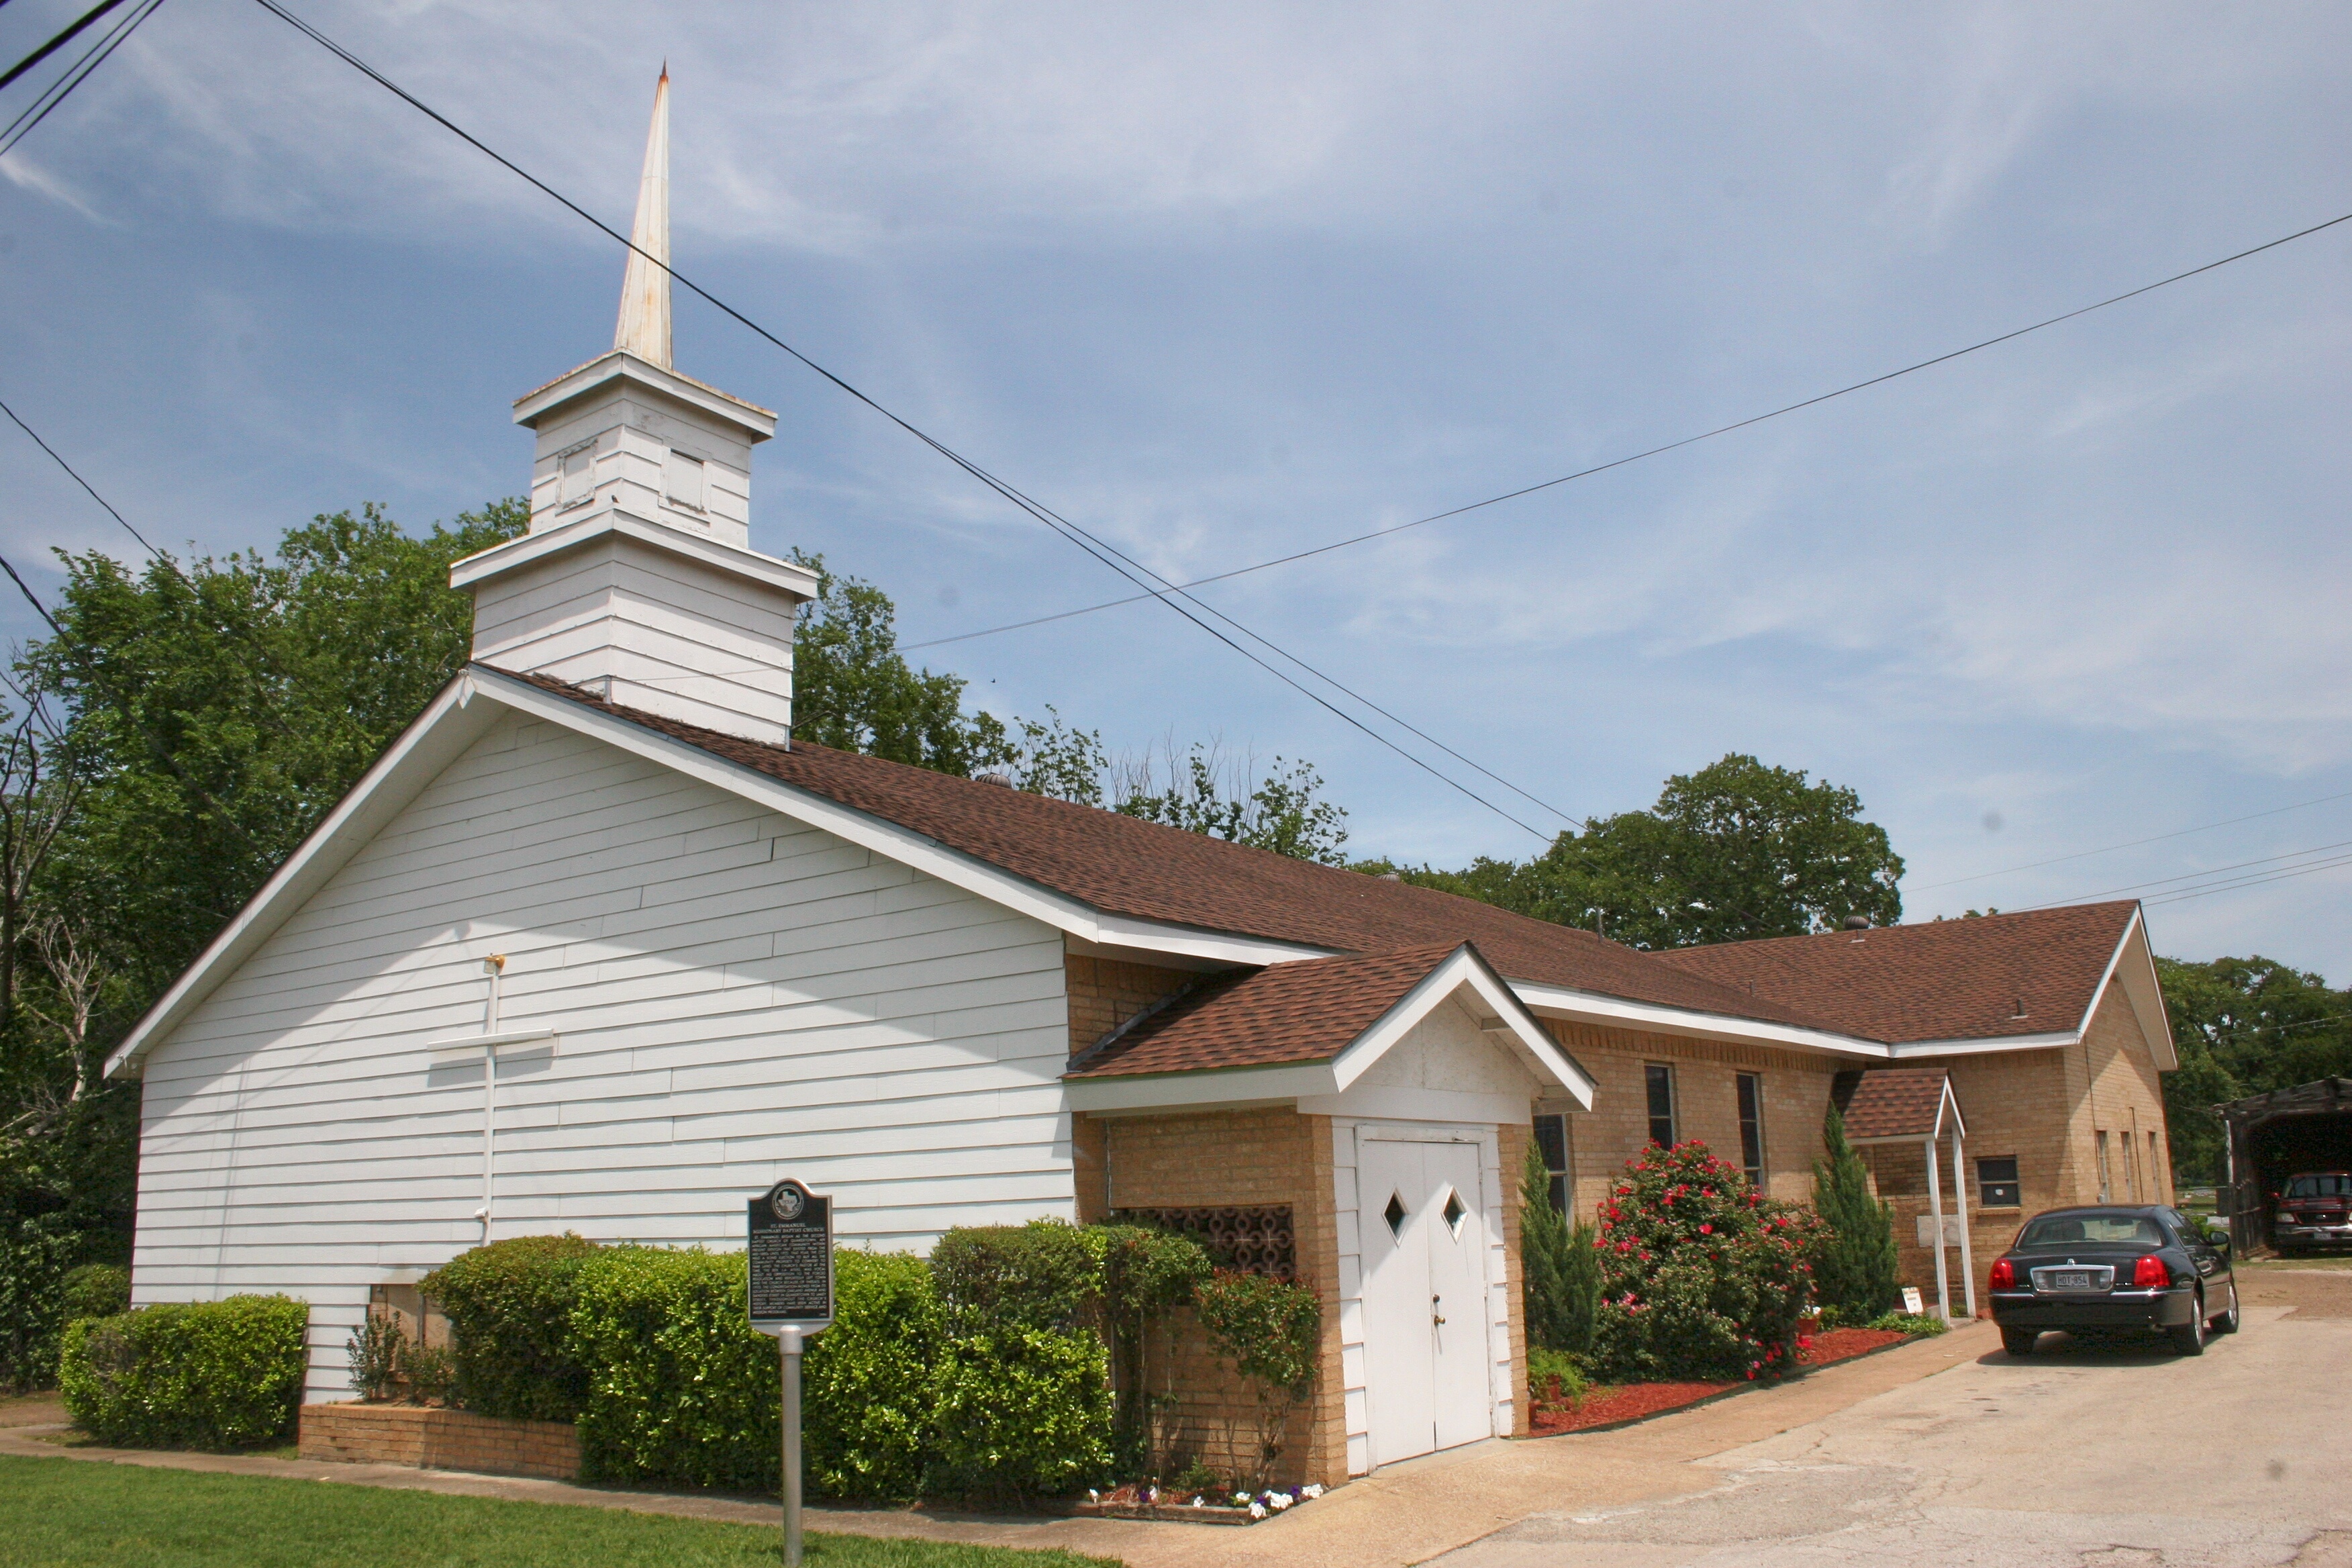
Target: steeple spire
(644, 329)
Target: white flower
(1311, 1489)
(1241, 1500)
(1199, 1502)
(1257, 1511)
(1093, 1496)
(1280, 1501)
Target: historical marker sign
(790, 1246)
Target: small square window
(682, 481)
(1394, 1214)
(578, 475)
(1997, 1185)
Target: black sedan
(2111, 1269)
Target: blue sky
(1223, 284)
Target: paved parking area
(2078, 1455)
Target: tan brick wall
(439, 1440)
(1796, 1100)
(1105, 992)
(1213, 1159)
(1513, 1151)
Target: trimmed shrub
(96, 1291)
(1020, 1414)
(1553, 1375)
(201, 1374)
(1042, 1274)
(34, 1256)
(1700, 1277)
(1561, 1279)
(1856, 1272)
(681, 1389)
(865, 1382)
(510, 1306)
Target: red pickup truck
(2315, 1209)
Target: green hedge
(96, 1291)
(202, 1374)
(1019, 1414)
(509, 1305)
(681, 1389)
(865, 1382)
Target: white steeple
(637, 578)
(644, 329)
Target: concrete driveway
(2077, 1455)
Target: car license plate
(2070, 1279)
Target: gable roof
(1140, 885)
(1988, 977)
(1884, 1103)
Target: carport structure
(2268, 1138)
(1916, 1105)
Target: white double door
(1428, 1358)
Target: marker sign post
(790, 1252)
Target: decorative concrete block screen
(1255, 1239)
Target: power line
(2236, 884)
(84, 483)
(1669, 446)
(2227, 875)
(1106, 554)
(57, 92)
(59, 42)
(2133, 843)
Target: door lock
(1435, 1318)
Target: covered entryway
(1426, 1320)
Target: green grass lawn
(63, 1513)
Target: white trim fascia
(619, 364)
(1464, 966)
(769, 571)
(919, 851)
(430, 743)
(1952, 1099)
(2049, 1040)
(1396, 1102)
(1616, 1012)
(1222, 1088)
(2158, 1031)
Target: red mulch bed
(1609, 1406)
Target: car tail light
(2150, 1274)
(2004, 1275)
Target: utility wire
(84, 483)
(1669, 446)
(2133, 843)
(1107, 555)
(57, 92)
(59, 42)
(2227, 875)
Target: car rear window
(2334, 1186)
(2096, 1229)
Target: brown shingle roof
(1890, 1103)
(1304, 1011)
(1945, 979)
(1123, 866)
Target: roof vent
(1391, 876)
(1857, 922)
(995, 776)
(2020, 1008)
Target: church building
(598, 946)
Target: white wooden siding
(736, 997)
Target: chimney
(636, 579)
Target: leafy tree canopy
(1735, 851)
(2242, 1026)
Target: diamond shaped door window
(1395, 1214)
(1454, 1212)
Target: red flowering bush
(1700, 1277)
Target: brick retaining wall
(439, 1440)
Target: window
(578, 473)
(682, 481)
(1659, 1078)
(1551, 1142)
(2331, 1185)
(2131, 1171)
(1997, 1183)
(1751, 1128)
(2105, 1195)
(2093, 1229)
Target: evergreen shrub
(681, 1388)
(1856, 1271)
(865, 1382)
(96, 1291)
(201, 1374)
(1020, 1414)
(1043, 1275)
(1701, 1278)
(1560, 1274)
(510, 1306)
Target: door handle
(1434, 1316)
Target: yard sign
(789, 1253)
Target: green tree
(2242, 1026)
(1558, 1266)
(1735, 851)
(1854, 1267)
(1204, 792)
